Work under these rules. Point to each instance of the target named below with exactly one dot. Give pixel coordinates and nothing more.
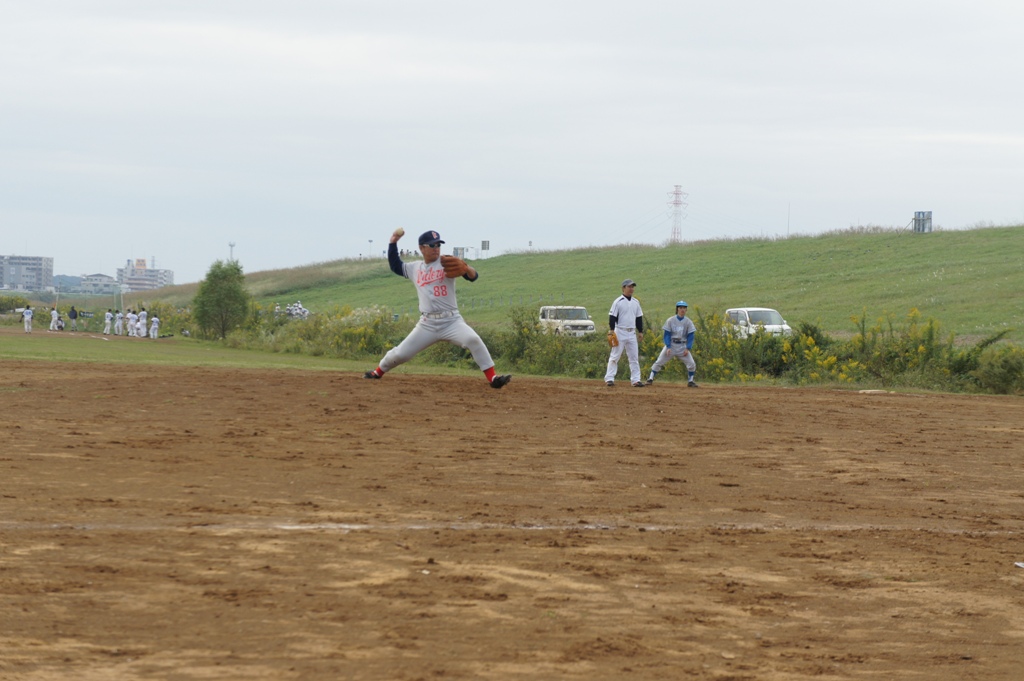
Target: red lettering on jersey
(428, 277)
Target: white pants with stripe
(429, 331)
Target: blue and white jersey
(680, 332)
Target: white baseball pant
(628, 344)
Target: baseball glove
(453, 267)
(613, 339)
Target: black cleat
(498, 381)
(650, 381)
(370, 374)
(610, 384)
(691, 384)
(638, 384)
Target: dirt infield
(235, 524)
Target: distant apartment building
(99, 285)
(136, 276)
(26, 273)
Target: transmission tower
(679, 205)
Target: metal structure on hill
(678, 204)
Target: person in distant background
(54, 316)
(26, 316)
(118, 323)
(154, 326)
(73, 316)
(107, 319)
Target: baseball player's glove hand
(613, 340)
(453, 267)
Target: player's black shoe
(650, 381)
(370, 374)
(610, 384)
(638, 384)
(691, 384)
(498, 381)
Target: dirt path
(233, 524)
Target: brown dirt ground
(195, 523)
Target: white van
(566, 319)
(746, 321)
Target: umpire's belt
(438, 315)
(625, 329)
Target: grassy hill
(971, 281)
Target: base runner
(679, 331)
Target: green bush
(10, 303)
(1001, 370)
(341, 332)
(173, 320)
(524, 346)
(721, 355)
(517, 343)
(891, 352)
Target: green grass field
(87, 346)
(971, 282)
(93, 347)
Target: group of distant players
(293, 310)
(131, 323)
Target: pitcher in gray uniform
(440, 319)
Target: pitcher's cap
(682, 303)
(430, 239)
(628, 282)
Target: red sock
(489, 373)
(378, 372)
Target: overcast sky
(301, 130)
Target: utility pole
(678, 204)
(231, 257)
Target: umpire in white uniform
(626, 321)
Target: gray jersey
(679, 329)
(436, 291)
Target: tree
(222, 302)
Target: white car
(569, 320)
(746, 321)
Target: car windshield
(766, 317)
(570, 314)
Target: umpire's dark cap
(430, 239)
(628, 282)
